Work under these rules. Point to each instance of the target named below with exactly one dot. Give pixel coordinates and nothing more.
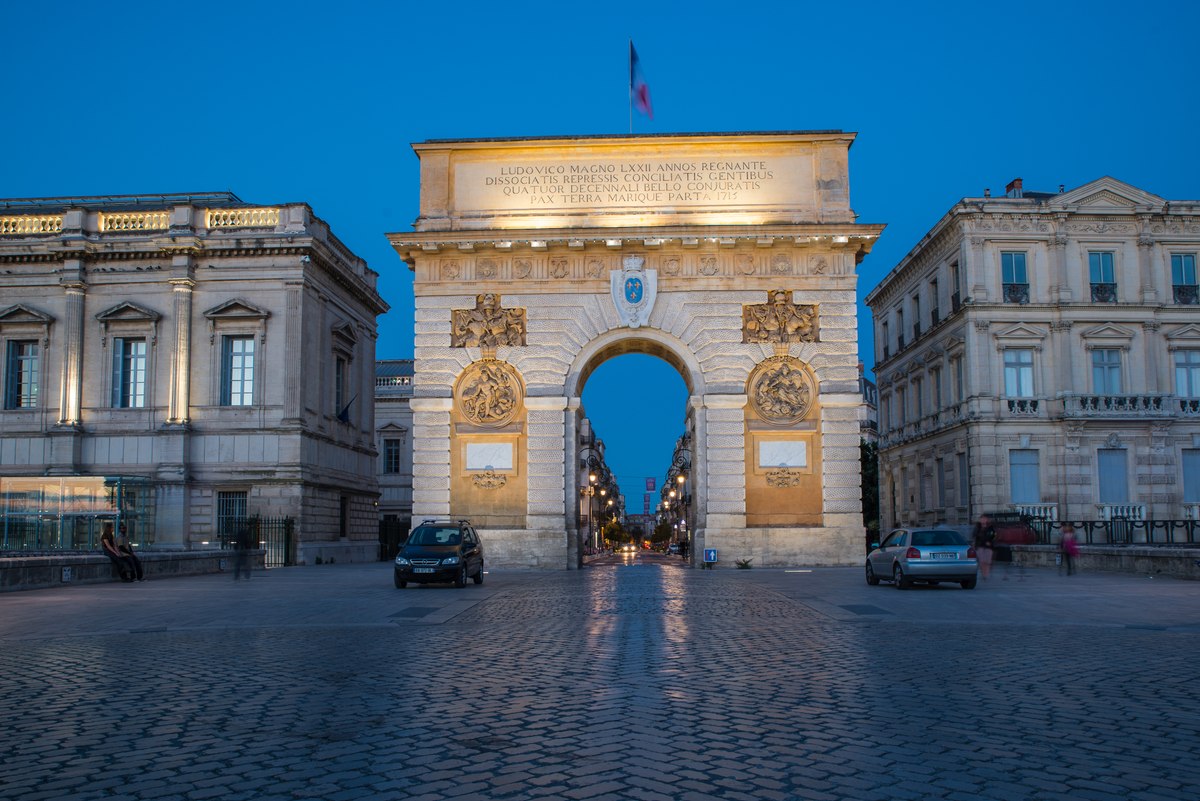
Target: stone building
(1040, 352)
(393, 432)
(732, 257)
(183, 362)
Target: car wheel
(969, 584)
(899, 579)
(399, 584)
(872, 579)
(460, 580)
(478, 577)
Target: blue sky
(318, 102)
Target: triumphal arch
(730, 256)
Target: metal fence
(1122, 532)
(275, 535)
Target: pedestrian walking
(984, 538)
(1068, 548)
(241, 544)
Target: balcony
(1024, 407)
(1121, 511)
(1117, 406)
(1104, 293)
(1189, 407)
(1016, 293)
(1186, 294)
(1037, 511)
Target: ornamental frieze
(783, 477)
(781, 390)
(489, 393)
(779, 320)
(489, 480)
(487, 325)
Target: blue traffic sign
(710, 554)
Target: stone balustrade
(31, 224)
(135, 221)
(1096, 405)
(241, 218)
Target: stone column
(1151, 341)
(178, 401)
(571, 497)
(1148, 287)
(71, 397)
(293, 353)
(431, 457)
(1058, 262)
(546, 463)
(721, 474)
(978, 270)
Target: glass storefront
(69, 513)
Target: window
(391, 456)
(1187, 373)
(941, 484)
(899, 329)
(936, 399)
(1191, 475)
(934, 316)
(955, 296)
(129, 373)
(341, 387)
(21, 374)
(237, 371)
(1014, 276)
(916, 307)
(919, 398)
(1114, 484)
(1102, 277)
(1106, 371)
(231, 513)
(1018, 372)
(902, 410)
(963, 486)
(1183, 277)
(1023, 481)
(887, 350)
(958, 380)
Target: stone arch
(714, 253)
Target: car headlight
(450, 560)
(402, 562)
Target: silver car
(923, 554)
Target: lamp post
(589, 492)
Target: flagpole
(631, 85)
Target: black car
(440, 551)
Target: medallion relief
(745, 264)
(450, 270)
(708, 265)
(487, 325)
(781, 264)
(779, 320)
(559, 268)
(781, 390)
(522, 268)
(670, 266)
(487, 269)
(489, 393)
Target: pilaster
(431, 457)
(723, 503)
(178, 401)
(71, 397)
(545, 421)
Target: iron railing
(1121, 531)
(275, 535)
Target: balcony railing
(1025, 407)
(1104, 293)
(1114, 406)
(1121, 511)
(1037, 511)
(1186, 294)
(242, 218)
(1189, 406)
(31, 224)
(1016, 293)
(1191, 511)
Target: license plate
(944, 555)
(422, 569)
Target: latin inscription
(643, 183)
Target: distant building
(869, 424)
(183, 362)
(1040, 352)
(393, 432)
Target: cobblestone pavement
(631, 679)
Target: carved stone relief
(487, 325)
(783, 478)
(779, 320)
(489, 393)
(708, 265)
(745, 264)
(522, 268)
(486, 269)
(559, 268)
(450, 270)
(594, 268)
(670, 266)
(489, 480)
(781, 390)
(781, 264)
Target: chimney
(1062, 188)
(1014, 188)
(987, 192)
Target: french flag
(639, 90)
